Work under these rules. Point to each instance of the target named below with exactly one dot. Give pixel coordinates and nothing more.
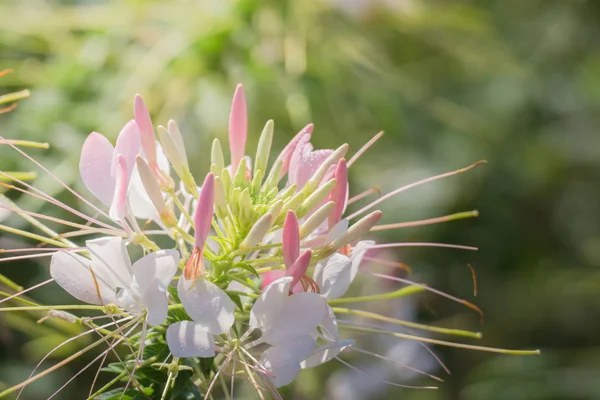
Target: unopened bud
(177, 158)
(358, 230)
(257, 232)
(241, 176)
(264, 147)
(245, 204)
(275, 209)
(220, 199)
(333, 158)
(316, 219)
(317, 197)
(151, 185)
(216, 155)
(273, 177)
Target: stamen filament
(441, 342)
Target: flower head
(265, 267)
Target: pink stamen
(366, 147)
(423, 244)
(338, 194)
(290, 242)
(238, 127)
(412, 185)
(47, 198)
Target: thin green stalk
(45, 308)
(16, 298)
(33, 236)
(405, 291)
(371, 315)
(440, 342)
(118, 378)
(60, 364)
(41, 226)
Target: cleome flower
(243, 278)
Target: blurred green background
(516, 82)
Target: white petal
(94, 167)
(161, 159)
(326, 353)
(111, 260)
(329, 326)
(283, 361)
(300, 315)
(206, 304)
(156, 302)
(159, 266)
(358, 252)
(72, 273)
(129, 300)
(139, 201)
(128, 144)
(153, 273)
(269, 302)
(188, 339)
(334, 275)
(337, 230)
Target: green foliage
(514, 82)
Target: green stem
(10, 97)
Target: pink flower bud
(238, 127)
(144, 123)
(290, 239)
(338, 194)
(204, 211)
(298, 268)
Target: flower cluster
(240, 277)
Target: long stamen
(354, 348)
(27, 290)
(430, 289)
(382, 380)
(366, 147)
(430, 221)
(412, 185)
(64, 185)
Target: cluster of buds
(241, 277)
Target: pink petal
(128, 144)
(290, 239)
(286, 154)
(305, 162)
(298, 268)
(118, 208)
(270, 277)
(338, 194)
(301, 152)
(238, 126)
(94, 167)
(204, 211)
(144, 123)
